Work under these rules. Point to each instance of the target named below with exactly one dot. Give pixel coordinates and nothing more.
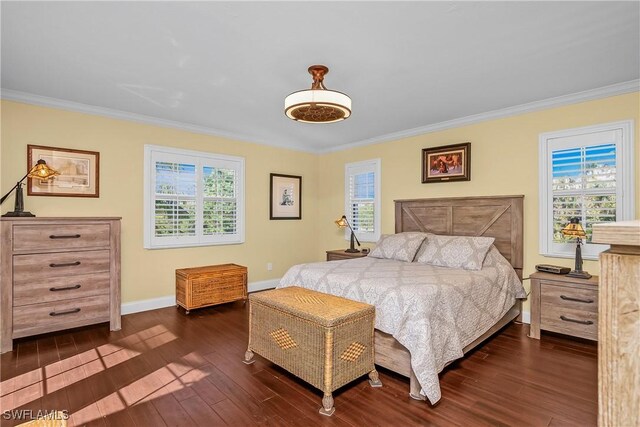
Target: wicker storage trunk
(323, 339)
(214, 284)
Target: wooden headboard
(491, 216)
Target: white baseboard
(170, 300)
(526, 317)
(148, 304)
(262, 285)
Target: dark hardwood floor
(165, 368)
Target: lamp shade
(574, 229)
(342, 222)
(42, 171)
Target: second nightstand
(565, 305)
(341, 254)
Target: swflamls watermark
(31, 414)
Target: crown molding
(44, 101)
(574, 98)
(587, 95)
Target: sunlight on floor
(32, 385)
(168, 379)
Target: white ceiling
(226, 67)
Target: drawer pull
(65, 236)
(60, 313)
(65, 288)
(66, 264)
(586, 301)
(582, 322)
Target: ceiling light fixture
(318, 104)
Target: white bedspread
(433, 311)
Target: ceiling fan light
(318, 104)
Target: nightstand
(564, 304)
(341, 254)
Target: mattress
(433, 311)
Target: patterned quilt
(433, 311)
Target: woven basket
(323, 339)
(211, 285)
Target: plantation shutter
(584, 186)
(362, 196)
(362, 200)
(585, 173)
(174, 205)
(220, 200)
(192, 198)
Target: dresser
(565, 305)
(58, 273)
(619, 344)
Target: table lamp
(39, 171)
(574, 229)
(342, 223)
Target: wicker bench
(323, 339)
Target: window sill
(191, 245)
(569, 256)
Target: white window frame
(357, 168)
(200, 159)
(625, 181)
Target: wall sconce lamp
(574, 229)
(343, 223)
(39, 171)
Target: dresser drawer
(564, 296)
(569, 310)
(52, 316)
(27, 292)
(44, 266)
(568, 321)
(60, 236)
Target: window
(192, 198)
(585, 173)
(362, 199)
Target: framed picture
(285, 197)
(446, 163)
(79, 172)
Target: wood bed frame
(492, 216)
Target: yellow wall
(504, 161)
(151, 273)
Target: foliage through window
(362, 199)
(584, 175)
(192, 198)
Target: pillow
(466, 252)
(401, 246)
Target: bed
(436, 314)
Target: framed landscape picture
(285, 197)
(79, 172)
(446, 163)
